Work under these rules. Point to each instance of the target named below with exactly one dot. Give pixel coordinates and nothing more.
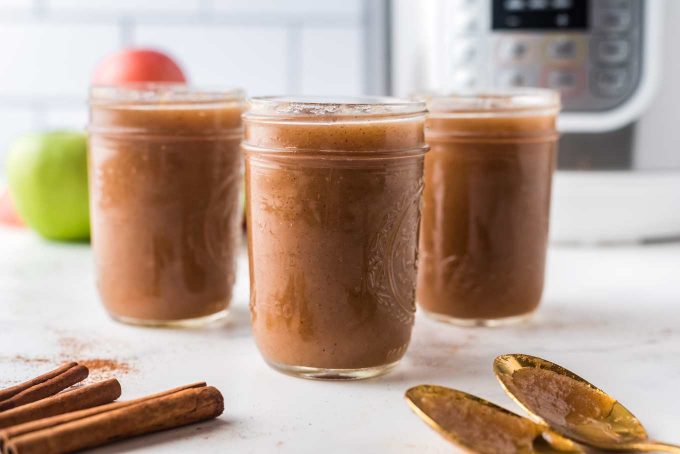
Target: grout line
(40, 102)
(262, 19)
(294, 60)
(388, 89)
(367, 50)
(375, 32)
(195, 18)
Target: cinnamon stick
(43, 386)
(9, 392)
(45, 423)
(100, 425)
(86, 397)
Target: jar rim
(492, 102)
(323, 108)
(155, 95)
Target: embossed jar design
(165, 175)
(333, 194)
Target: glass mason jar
(165, 175)
(486, 205)
(333, 206)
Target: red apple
(137, 65)
(8, 215)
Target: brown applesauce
(474, 423)
(573, 407)
(165, 174)
(333, 196)
(486, 205)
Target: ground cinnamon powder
(74, 349)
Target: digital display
(540, 15)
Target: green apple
(47, 175)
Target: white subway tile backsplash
(252, 57)
(15, 5)
(332, 61)
(289, 7)
(126, 6)
(51, 59)
(48, 49)
(13, 123)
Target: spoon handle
(655, 446)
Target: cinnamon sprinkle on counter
(106, 365)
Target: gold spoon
(477, 425)
(572, 406)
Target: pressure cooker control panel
(589, 50)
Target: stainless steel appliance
(614, 63)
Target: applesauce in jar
(165, 176)
(486, 205)
(333, 195)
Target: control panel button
(562, 4)
(569, 81)
(613, 20)
(613, 51)
(563, 49)
(511, 50)
(563, 20)
(610, 82)
(562, 80)
(537, 4)
(515, 5)
(513, 78)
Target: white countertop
(612, 315)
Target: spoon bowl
(571, 405)
(477, 425)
